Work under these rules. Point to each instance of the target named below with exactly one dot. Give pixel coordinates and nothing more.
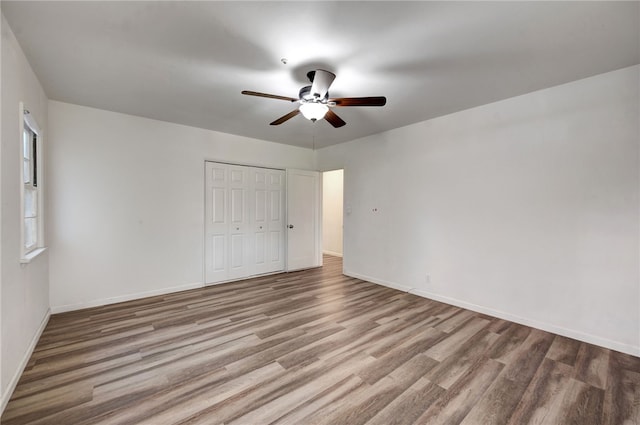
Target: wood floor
(314, 347)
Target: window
(32, 232)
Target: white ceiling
(187, 62)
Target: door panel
(276, 219)
(237, 206)
(237, 252)
(260, 249)
(303, 217)
(259, 220)
(216, 226)
(260, 216)
(218, 258)
(276, 205)
(237, 175)
(239, 230)
(218, 207)
(275, 240)
(268, 220)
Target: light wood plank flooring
(314, 347)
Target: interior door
(239, 230)
(216, 222)
(260, 220)
(268, 220)
(303, 220)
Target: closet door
(268, 220)
(216, 222)
(239, 228)
(277, 220)
(244, 221)
(227, 230)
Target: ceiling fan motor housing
(305, 95)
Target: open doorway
(332, 208)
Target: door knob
(290, 226)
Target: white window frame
(29, 253)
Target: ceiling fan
(315, 102)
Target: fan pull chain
(313, 143)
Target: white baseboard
(335, 254)
(23, 363)
(123, 298)
(548, 327)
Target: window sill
(31, 255)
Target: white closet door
(216, 222)
(277, 220)
(244, 216)
(239, 228)
(268, 220)
(260, 220)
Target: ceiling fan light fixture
(314, 111)
(315, 102)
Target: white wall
(128, 216)
(526, 209)
(332, 212)
(24, 288)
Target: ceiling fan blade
(333, 119)
(286, 117)
(321, 82)
(359, 101)
(270, 96)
